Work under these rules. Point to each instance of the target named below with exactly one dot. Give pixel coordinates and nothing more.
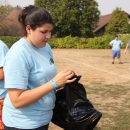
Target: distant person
(31, 75)
(116, 49)
(127, 46)
(3, 91)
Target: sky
(21, 3)
(105, 6)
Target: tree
(72, 17)
(4, 11)
(128, 29)
(118, 22)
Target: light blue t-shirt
(116, 44)
(3, 51)
(27, 67)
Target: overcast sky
(105, 6)
(21, 3)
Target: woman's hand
(64, 77)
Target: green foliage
(8, 40)
(128, 29)
(72, 17)
(125, 38)
(100, 42)
(118, 22)
(76, 42)
(91, 43)
(67, 42)
(80, 43)
(5, 10)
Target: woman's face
(40, 36)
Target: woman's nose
(48, 35)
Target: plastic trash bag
(73, 111)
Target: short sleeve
(111, 42)
(3, 51)
(16, 74)
(121, 42)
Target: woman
(3, 91)
(30, 74)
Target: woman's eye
(46, 32)
(43, 32)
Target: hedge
(75, 42)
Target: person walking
(30, 74)
(127, 46)
(3, 91)
(116, 49)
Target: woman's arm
(1, 74)
(22, 98)
(110, 44)
(126, 48)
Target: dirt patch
(97, 71)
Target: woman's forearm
(22, 98)
(1, 74)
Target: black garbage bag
(73, 111)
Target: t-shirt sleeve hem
(18, 86)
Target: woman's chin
(43, 45)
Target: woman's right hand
(64, 77)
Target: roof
(12, 21)
(13, 17)
(103, 21)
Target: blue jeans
(45, 127)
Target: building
(12, 22)
(103, 21)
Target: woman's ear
(28, 29)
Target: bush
(8, 40)
(76, 42)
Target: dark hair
(116, 35)
(35, 17)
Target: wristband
(54, 84)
